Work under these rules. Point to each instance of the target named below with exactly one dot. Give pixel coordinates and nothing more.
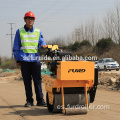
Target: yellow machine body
(70, 74)
(75, 70)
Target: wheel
(109, 70)
(105, 68)
(117, 69)
(98, 68)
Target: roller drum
(76, 111)
(72, 101)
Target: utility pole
(11, 38)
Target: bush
(75, 46)
(85, 43)
(104, 45)
(112, 53)
(11, 64)
(68, 47)
(6, 64)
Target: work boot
(28, 104)
(42, 103)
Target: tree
(0, 61)
(111, 24)
(117, 20)
(104, 45)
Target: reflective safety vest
(29, 41)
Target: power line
(67, 5)
(51, 6)
(11, 37)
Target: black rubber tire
(105, 68)
(98, 68)
(117, 69)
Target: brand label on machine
(76, 70)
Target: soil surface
(12, 99)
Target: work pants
(31, 70)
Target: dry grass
(89, 51)
(113, 53)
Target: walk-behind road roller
(72, 85)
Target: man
(26, 44)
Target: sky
(53, 17)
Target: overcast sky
(53, 17)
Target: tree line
(93, 31)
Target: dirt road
(12, 99)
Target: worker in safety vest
(26, 44)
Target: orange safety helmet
(29, 14)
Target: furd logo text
(76, 70)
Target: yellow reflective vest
(29, 41)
